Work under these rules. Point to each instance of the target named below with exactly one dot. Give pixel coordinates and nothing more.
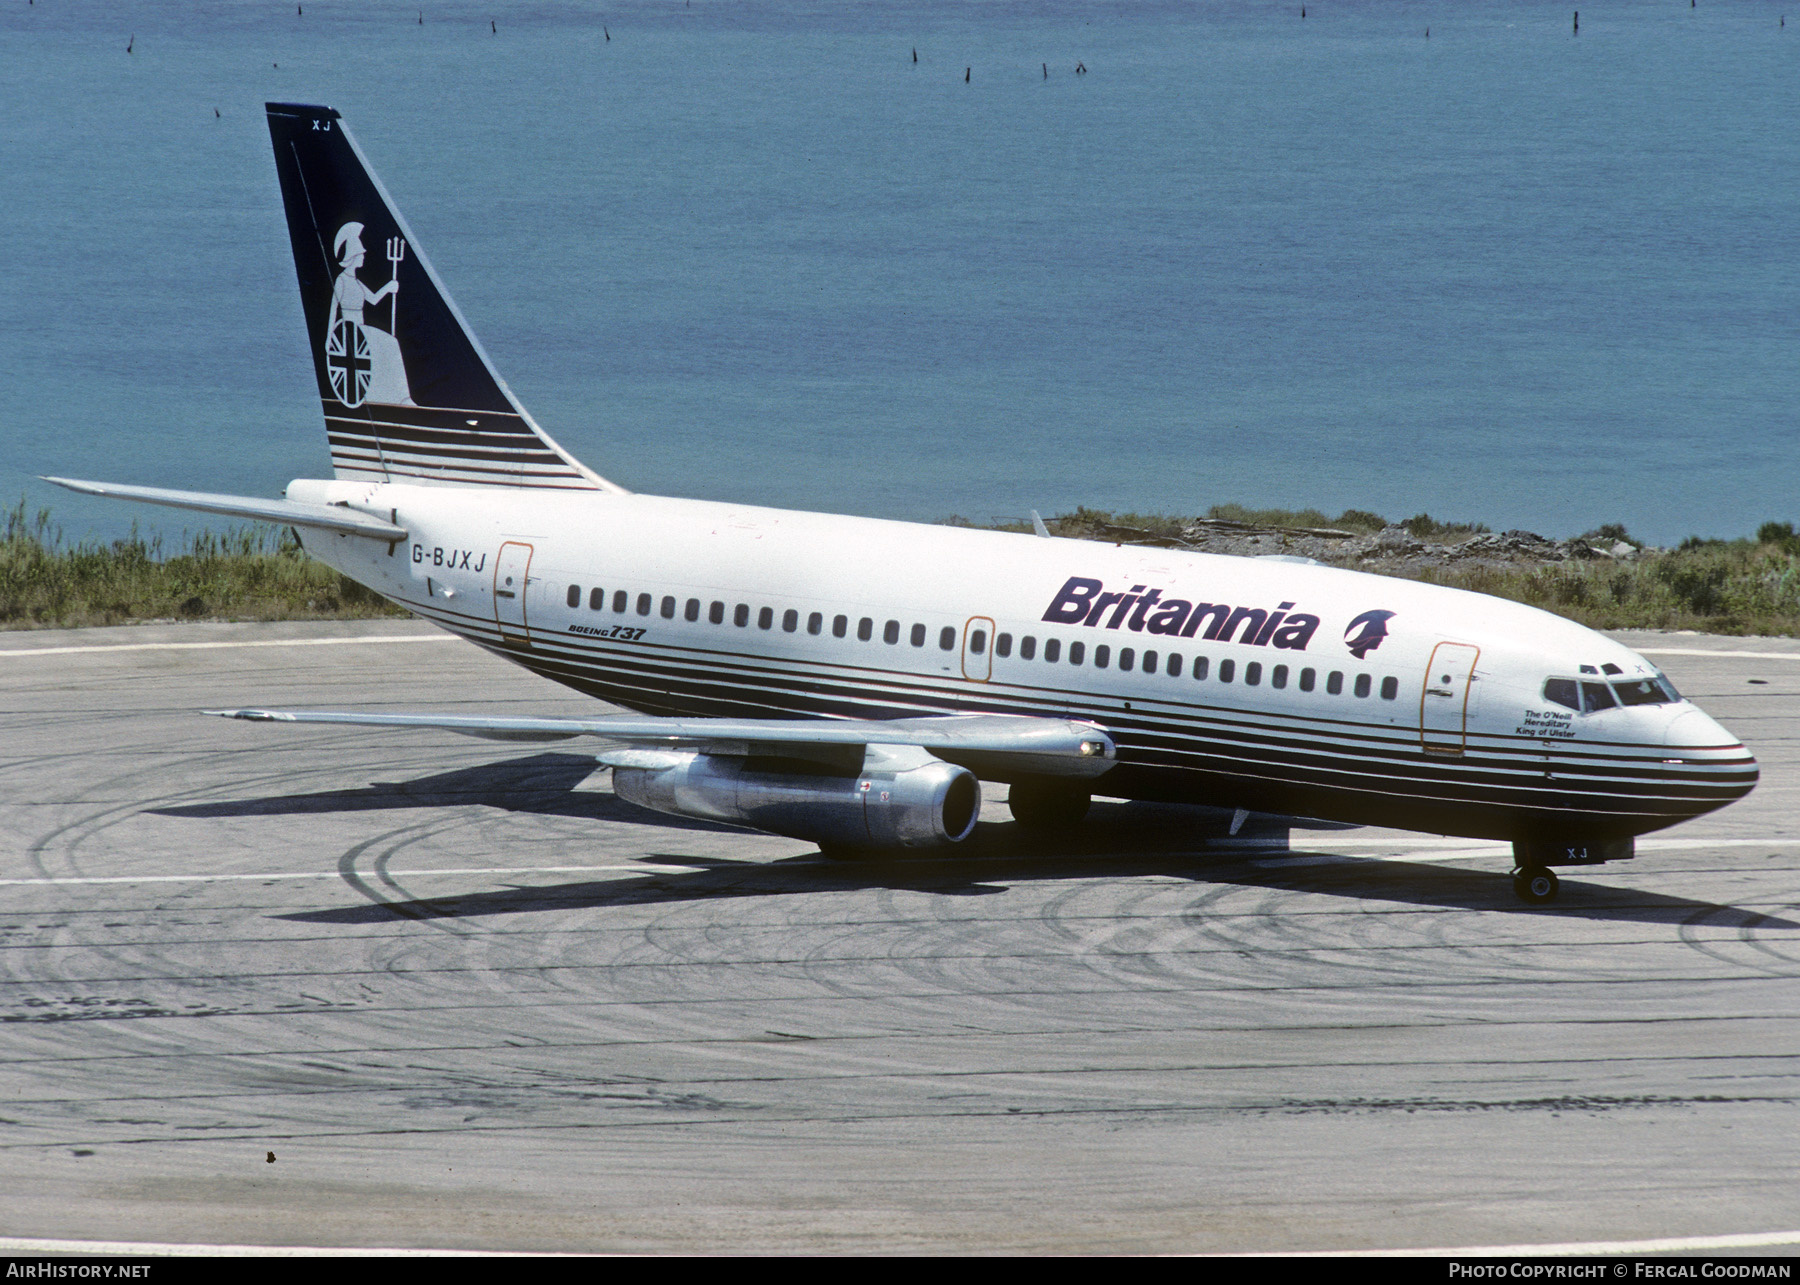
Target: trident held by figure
(396, 252)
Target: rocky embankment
(1393, 549)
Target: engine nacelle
(901, 797)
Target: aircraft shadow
(1121, 840)
(543, 784)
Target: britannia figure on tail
(364, 364)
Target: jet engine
(876, 796)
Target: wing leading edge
(1002, 744)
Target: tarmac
(340, 987)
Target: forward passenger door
(1444, 702)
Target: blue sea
(754, 251)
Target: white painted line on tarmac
(1700, 651)
(374, 640)
(58, 881)
(165, 1249)
(1663, 1245)
(138, 1248)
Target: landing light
(1093, 749)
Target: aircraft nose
(1726, 768)
(1693, 729)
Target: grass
(1717, 587)
(1745, 586)
(247, 573)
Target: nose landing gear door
(1444, 702)
(510, 580)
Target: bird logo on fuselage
(1373, 627)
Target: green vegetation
(247, 573)
(1746, 586)
(1716, 586)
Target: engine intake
(899, 796)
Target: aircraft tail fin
(407, 391)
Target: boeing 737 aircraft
(851, 681)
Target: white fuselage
(1319, 692)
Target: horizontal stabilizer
(1047, 746)
(321, 517)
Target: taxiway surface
(467, 999)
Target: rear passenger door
(510, 581)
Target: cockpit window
(1586, 696)
(1596, 696)
(1645, 691)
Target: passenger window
(619, 600)
(865, 629)
(1126, 659)
(890, 632)
(1362, 684)
(1334, 683)
(1226, 669)
(765, 618)
(918, 635)
(740, 615)
(1149, 662)
(1027, 647)
(1174, 665)
(1306, 680)
(840, 625)
(574, 595)
(1596, 696)
(790, 621)
(1278, 676)
(1052, 649)
(1076, 652)
(978, 641)
(643, 604)
(1002, 645)
(1390, 688)
(693, 609)
(716, 612)
(668, 608)
(1102, 654)
(596, 599)
(1253, 673)
(815, 622)
(1200, 666)
(1562, 691)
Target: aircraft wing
(998, 745)
(324, 517)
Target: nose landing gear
(1536, 886)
